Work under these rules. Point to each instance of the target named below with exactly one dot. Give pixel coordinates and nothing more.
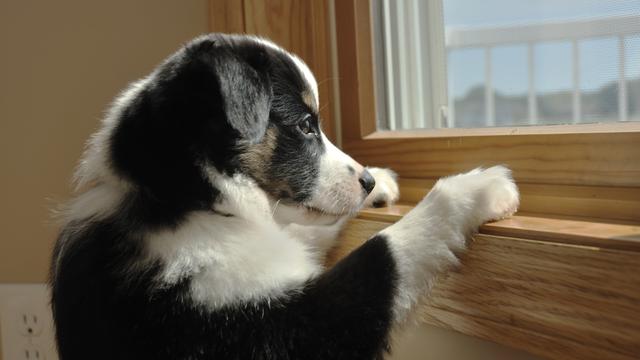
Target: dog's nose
(367, 181)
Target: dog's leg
(425, 241)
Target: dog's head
(236, 103)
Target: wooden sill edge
(554, 130)
(562, 230)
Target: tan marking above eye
(310, 100)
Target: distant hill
(553, 108)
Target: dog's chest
(230, 260)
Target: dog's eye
(305, 125)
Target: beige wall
(61, 63)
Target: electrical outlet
(32, 352)
(26, 324)
(29, 321)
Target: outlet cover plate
(16, 302)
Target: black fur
(108, 309)
(210, 103)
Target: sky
(552, 60)
(507, 12)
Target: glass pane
(510, 83)
(466, 86)
(632, 76)
(506, 62)
(599, 74)
(553, 82)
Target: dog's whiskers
(275, 207)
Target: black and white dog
(211, 196)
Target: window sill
(607, 234)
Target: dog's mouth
(305, 214)
(338, 209)
(317, 216)
(319, 211)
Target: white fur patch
(308, 76)
(424, 241)
(319, 238)
(302, 66)
(245, 257)
(290, 214)
(94, 165)
(97, 202)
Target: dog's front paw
(485, 194)
(386, 191)
(500, 194)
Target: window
(572, 175)
(471, 64)
(554, 99)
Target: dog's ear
(195, 108)
(245, 90)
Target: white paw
(386, 191)
(490, 194)
(500, 194)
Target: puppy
(211, 196)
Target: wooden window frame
(579, 215)
(596, 160)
